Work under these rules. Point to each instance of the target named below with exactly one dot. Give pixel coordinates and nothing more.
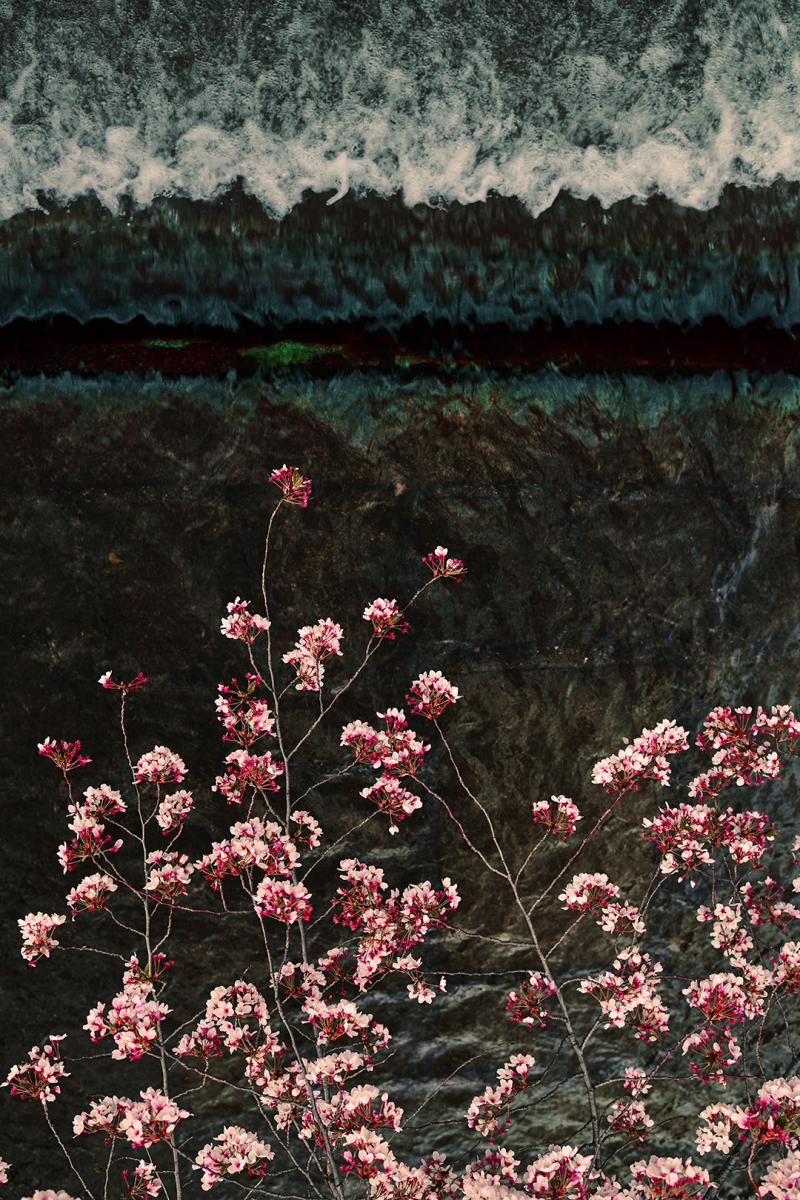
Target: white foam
(437, 105)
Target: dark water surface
(382, 264)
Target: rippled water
(437, 102)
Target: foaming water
(436, 102)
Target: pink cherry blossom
(442, 567)
(65, 755)
(99, 803)
(245, 770)
(723, 998)
(774, 1115)
(562, 1172)
(48, 1194)
(241, 625)
(786, 971)
(232, 1152)
(782, 1179)
(308, 831)
(132, 685)
(151, 1119)
(131, 1019)
(360, 739)
(744, 750)
(712, 1051)
(386, 617)
(315, 644)
(169, 874)
(103, 1116)
(89, 842)
(235, 1017)
(530, 1005)
(283, 900)
(37, 935)
(558, 815)
(38, 1078)
(367, 1154)
(627, 995)
(159, 765)
(715, 1132)
(430, 694)
(173, 811)
(489, 1113)
(727, 934)
(142, 1180)
(647, 757)
(669, 1179)
(620, 919)
(244, 716)
(765, 906)
(588, 892)
(635, 1081)
(252, 843)
(391, 798)
(343, 1019)
(295, 486)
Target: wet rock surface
(633, 554)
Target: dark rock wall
(632, 546)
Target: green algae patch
(289, 354)
(161, 344)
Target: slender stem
(108, 1170)
(65, 1151)
(147, 935)
(512, 883)
(334, 1170)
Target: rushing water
(436, 101)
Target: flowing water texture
(438, 102)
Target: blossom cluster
(233, 1151)
(559, 815)
(87, 823)
(296, 488)
(244, 716)
(39, 1077)
(37, 931)
(244, 770)
(396, 752)
(743, 747)
(315, 644)
(387, 618)
(431, 694)
(143, 1122)
(65, 755)
(628, 995)
(687, 835)
(529, 1005)
(159, 765)
(647, 757)
(443, 567)
(387, 923)
(253, 844)
(242, 625)
(489, 1113)
(131, 1019)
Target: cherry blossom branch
(333, 1168)
(526, 915)
(66, 1152)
